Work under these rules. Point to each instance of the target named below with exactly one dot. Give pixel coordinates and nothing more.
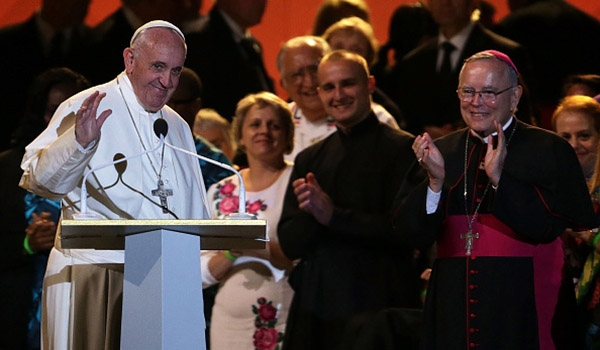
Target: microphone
(117, 159)
(161, 128)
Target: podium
(162, 287)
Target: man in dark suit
(559, 38)
(427, 77)
(53, 36)
(226, 56)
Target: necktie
(446, 68)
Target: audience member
(581, 84)
(187, 98)
(577, 120)
(254, 296)
(227, 57)
(410, 26)
(48, 91)
(54, 36)
(82, 309)
(215, 129)
(557, 36)
(336, 215)
(15, 265)
(21, 263)
(588, 285)
(332, 11)
(426, 78)
(496, 219)
(356, 35)
(187, 101)
(297, 62)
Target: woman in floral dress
(252, 303)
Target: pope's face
(154, 67)
(487, 75)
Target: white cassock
(54, 166)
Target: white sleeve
(207, 278)
(433, 200)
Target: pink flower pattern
(226, 202)
(266, 337)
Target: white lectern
(162, 287)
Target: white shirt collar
(459, 41)
(504, 127)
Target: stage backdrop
(283, 19)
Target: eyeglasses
(297, 76)
(487, 96)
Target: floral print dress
(252, 303)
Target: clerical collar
(364, 124)
(129, 94)
(504, 127)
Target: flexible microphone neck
(161, 128)
(241, 214)
(84, 209)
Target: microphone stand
(160, 129)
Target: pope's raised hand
(87, 121)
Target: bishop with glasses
(498, 195)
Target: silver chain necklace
(469, 235)
(160, 191)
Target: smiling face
(345, 88)
(487, 75)
(153, 65)
(299, 79)
(263, 135)
(578, 129)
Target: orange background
(283, 19)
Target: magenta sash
(498, 240)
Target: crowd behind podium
(343, 170)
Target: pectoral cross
(162, 193)
(468, 237)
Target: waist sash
(498, 240)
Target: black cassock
(355, 265)
(509, 292)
